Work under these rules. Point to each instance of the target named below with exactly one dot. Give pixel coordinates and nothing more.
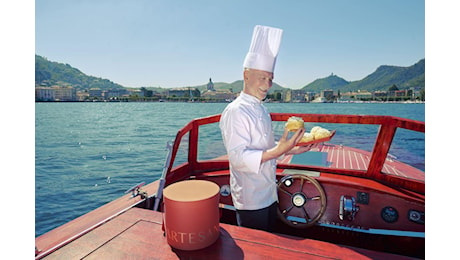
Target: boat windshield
(352, 145)
(351, 148)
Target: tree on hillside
(393, 88)
(422, 94)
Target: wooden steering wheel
(302, 200)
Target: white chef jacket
(247, 131)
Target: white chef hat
(264, 48)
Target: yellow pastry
(294, 123)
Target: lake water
(87, 154)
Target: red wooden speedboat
(336, 201)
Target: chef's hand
(284, 146)
(302, 149)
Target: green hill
(48, 73)
(332, 82)
(386, 76)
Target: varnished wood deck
(137, 234)
(342, 157)
(78, 227)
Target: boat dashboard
(341, 209)
(340, 202)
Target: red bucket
(191, 214)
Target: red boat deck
(137, 234)
(350, 158)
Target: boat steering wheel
(302, 200)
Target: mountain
(386, 76)
(383, 78)
(332, 82)
(48, 73)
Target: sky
(152, 43)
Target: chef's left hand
(302, 149)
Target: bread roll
(307, 137)
(321, 133)
(314, 129)
(294, 123)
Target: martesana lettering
(192, 237)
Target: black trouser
(263, 219)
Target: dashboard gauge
(416, 216)
(389, 214)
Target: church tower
(211, 85)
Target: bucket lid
(191, 190)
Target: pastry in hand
(321, 133)
(307, 137)
(294, 123)
(314, 129)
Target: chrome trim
(348, 208)
(374, 231)
(225, 206)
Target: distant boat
(319, 100)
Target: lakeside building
(95, 92)
(183, 92)
(82, 95)
(55, 93)
(302, 96)
(328, 94)
(309, 96)
(294, 96)
(210, 85)
(218, 95)
(114, 93)
(44, 94)
(380, 95)
(298, 95)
